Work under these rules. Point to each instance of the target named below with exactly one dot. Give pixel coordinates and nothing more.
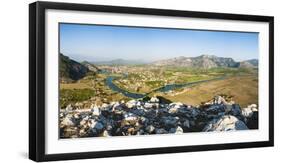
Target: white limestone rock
(225, 123)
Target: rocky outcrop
(139, 117)
(225, 123)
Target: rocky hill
(253, 63)
(91, 66)
(71, 70)
(120, 62)
(138, 117)
(204, 61)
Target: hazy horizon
(97, 43)
(135, 60)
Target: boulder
(150, 129)
(67, 121)
(154, 100)
(138, 111)
(249, 111)
(225, 123)
(83, 122)
(99, 126)
(62, 115)
(253, 106)
(186, 124)
(235, 110)
(252, 122)
(76, 115)
(94, 124)
(170, 121)
(105, 133)
(215, 109)
(82, 132)
(250, 115)
(96, 111)
(194, 112)
(132, 103)
(70, 132)
(130, 117)
(219, 100)
(177, 130)
(105, 106)
(174, 107)
(69, 107)
(148, 105)
(141, 132)
(115, 106)
(161, 131)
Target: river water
(166, 88)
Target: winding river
(166, 88)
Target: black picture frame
(37, 79)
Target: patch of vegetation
(154, 84)
(194, 78)
(68, 96)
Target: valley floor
(243, 89)
(93, 106)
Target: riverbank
(169, 87)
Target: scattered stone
(142, 117)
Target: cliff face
(138, 117)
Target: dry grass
(244, 90)
(75, 86)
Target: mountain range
(206, 61)
(120, 62)
(71, 70)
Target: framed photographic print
(111, 81)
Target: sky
(96, 43)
